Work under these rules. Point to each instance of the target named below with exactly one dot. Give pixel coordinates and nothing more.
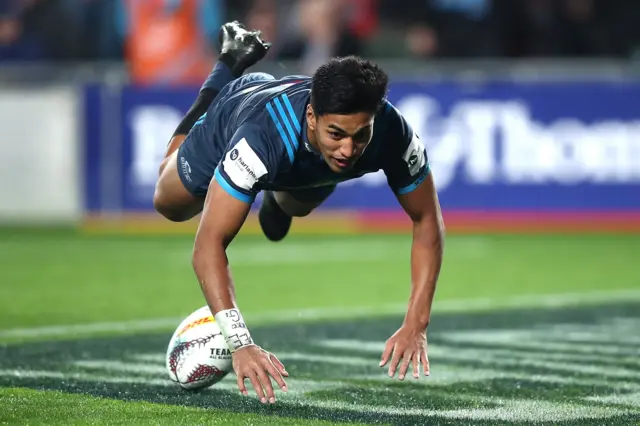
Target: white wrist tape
(233, 329)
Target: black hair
(348, 85)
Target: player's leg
(187, 171)
(240, 49)
(171, 198)
(279, 208)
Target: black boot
(275, 223)
(239, 48)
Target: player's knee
(302, 203)
(166, 208)
(293, 207)
(300, 211)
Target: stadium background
(520, 138)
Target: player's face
(341, 139)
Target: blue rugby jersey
(256, 138)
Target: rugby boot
(239, 48)
(275, 223)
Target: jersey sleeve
(249, 158)
(406, 163)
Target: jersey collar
(305, 137)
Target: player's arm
(409, 176)
(222, 218)
(408, 346)
(423, 208)
(231, 192)
(229, 198)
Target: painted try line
(463, 305)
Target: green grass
(26, 407)
(506, 368)
(62, 278)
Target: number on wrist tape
(234, 329)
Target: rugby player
(295, 139)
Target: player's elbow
(199, 254)
(196, 257)
(430, 228)
(206, 250)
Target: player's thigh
(301, 202)
(172, 199)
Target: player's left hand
(409, 345)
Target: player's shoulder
(279, 115)
(403, 155)
(389, 114)
(391, 126)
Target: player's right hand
(254, 363)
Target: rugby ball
(198, 355)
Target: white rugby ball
(198, 355)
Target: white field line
(462, 305)
(122, 367)
(632, 399)
(512, 351)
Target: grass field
(526, 330)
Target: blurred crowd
(168, 40)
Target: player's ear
(311, 118)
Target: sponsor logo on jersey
(414, 155)
(243, 166)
